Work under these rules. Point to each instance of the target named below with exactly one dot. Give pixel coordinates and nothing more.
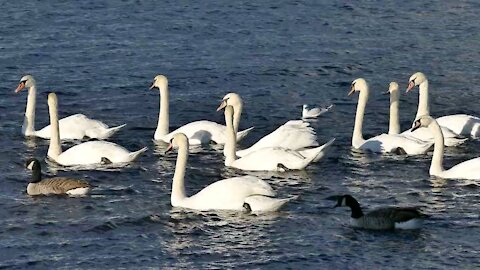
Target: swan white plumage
(469, 169)
(452, 125)
(294, 134)
(92, 152)
(73, 127)
(198, 132)
(315, 112)
(384, 143)
(268, 158)
(237, 193)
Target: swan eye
(24, 81)
(413, 80)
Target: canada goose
(56, 185)
(386, 218)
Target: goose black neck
(354, 206)
(36, 174)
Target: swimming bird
(73, 127)
(87, 153)
(315, 112)
(268, 158)
(237, 193)
(457, 124)
(56, 185)
(294, 134)
(469, 169)
(383, 143)
(198, 132)
(386, 218)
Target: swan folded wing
(92, 152)
(390, 142)
(269, 159)
(73, 127)
(59, 185)
(295, 134)
(469, 169)
(461, 124)
(229, 194)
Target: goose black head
(34, 165)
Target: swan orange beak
(416, 125)
(410, 86)
(152, 86)
(352, 90)
(169, 148)
(386, 93)
(20, 86)
(222, 105)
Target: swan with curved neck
(237, 193)
(73, 127)
(384, 143)
(460, 124)
(92, 152)
(294, 134)
(198, 132)
(268, 158)
(469, 169)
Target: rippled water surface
(101, 56)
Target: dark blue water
(101, 56)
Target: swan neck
(54, 149)
(394, 123)
(28, 127)
(178, 185)
(230, 147)
(237, 113)
(357, 138)
(437, 159)
(163, 116)
(423, 102)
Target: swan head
(160, 81)
(232, 99)
(415, 80)
(52, 100)
(26, 81)
(392, 88)
(177, 141)
(305, 106)
(422, 121)
(358, 85)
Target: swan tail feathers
(110, 131)
(323, 150)
(136, 154)
(260, 203)
(242, 134)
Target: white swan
(238, 193)
(456, 124)
(268, 158)
(384, 143)
(469, 169)
(92, 152)
(294, 134)
(315, 112)
(73, 127)
(198, 132)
